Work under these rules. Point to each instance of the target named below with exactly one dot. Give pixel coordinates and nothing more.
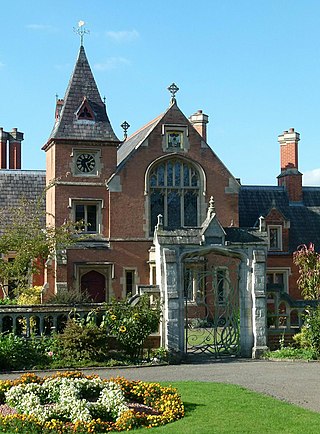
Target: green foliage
(131, 323)
(29, 295)
(20, 353)
(81, 342)
(26, 234)
(70, 296)
(308, 261)
(291, 353)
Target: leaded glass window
(174, 188)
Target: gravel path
(295, 382)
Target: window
(130, 282)
(275, 237)
(89, 214)
(279, 277)
(174, 187)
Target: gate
(212, 318)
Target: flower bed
(74, 403)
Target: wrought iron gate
(212, 321)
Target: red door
(94, 285)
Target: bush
(19, 353)
(132, 323)
(81, 342)
(309, 337)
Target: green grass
(221, 408)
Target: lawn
(222, 408)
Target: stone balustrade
(43, 319)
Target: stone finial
(211, 208)
(262, 224)
(160, 222)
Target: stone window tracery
(174, 188)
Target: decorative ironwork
(173, 89)
(125, 126)
(212, 306)
(81, 31)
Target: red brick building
(118, 188)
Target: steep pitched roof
(135, 140)
(16, 185)
(304, 217)
(82, 92)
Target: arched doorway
(94, 283)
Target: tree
(308, 261)
(26, 236)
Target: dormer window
(275, 238)
(85, 112)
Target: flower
(122, 329)
(113, 317)
(50, 353)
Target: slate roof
(304, 216)
(82, 85)
(135, 140)
(18, 184)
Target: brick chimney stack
(3, 149)
(199, 120)
(290, 177)
(15, 139)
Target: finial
(211, 209)
(104, 100)
(81, 31)
(173, 89)
(159, 222)
(125, 126)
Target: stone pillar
(168, 279)
(259, 305)
(246, 329)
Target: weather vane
(81, 31)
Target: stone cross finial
(81, 31)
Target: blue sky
(252, 65)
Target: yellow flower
(122, 329)
(113, 317)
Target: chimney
(199, 120)
(290, 177)
(15, 139)
(59, 105)
(3, 149)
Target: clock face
(86, 163)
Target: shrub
(131, 323)
(19, 353)
(80, 342)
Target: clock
(86, 163)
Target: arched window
(174, 187)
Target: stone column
(259, 306)
(246, 326)
(168, 279)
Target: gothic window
(174, 187)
